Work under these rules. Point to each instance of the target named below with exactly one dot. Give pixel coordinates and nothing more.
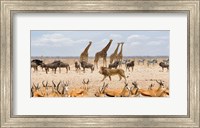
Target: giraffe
(102, 54)
(114, 55)
(84, 54)
(120, 55)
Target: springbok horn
(34, 85)
(46, 83)
(157, 82)
(102, 87)
(54, 84)
(58, 87)
(128, 90)
(63, 91)
(58, 83)
(43, 83)
(37, 87)
(126, 84)
(88, 81)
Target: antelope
(34, 66)
(36, 92)
(77, 66)
(130, 64)
(79, 92)
(164, 65)
(125, 92)
(154, 92)
(85, 65)
(134, 90)
(150, 87)
(35, 63)
(64, 65)
(114, 65)
(55, 90)
(54, 65)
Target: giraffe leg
(96, 60)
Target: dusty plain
(144, 75)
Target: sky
(72, 43)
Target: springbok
(134, 90)
(125, 92)
(79, 92)
(36, 92)
(154, 92)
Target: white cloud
(163, 38)
(154, 43)
(116, 37)
(137, 38)
(56, 40)
(134, 43)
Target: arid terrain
(144, 75)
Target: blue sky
(72, 43)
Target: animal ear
(83, 81)
(66, 84)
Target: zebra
(166, 61)
(141, 61)
(152, 61)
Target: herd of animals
(62, 89)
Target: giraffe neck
(121, 49)
(86, 49)
(107, 46)
(116, 50)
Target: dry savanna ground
(144, 75)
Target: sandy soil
(143, 74)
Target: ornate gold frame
(10, 7)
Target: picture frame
(9, 8)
